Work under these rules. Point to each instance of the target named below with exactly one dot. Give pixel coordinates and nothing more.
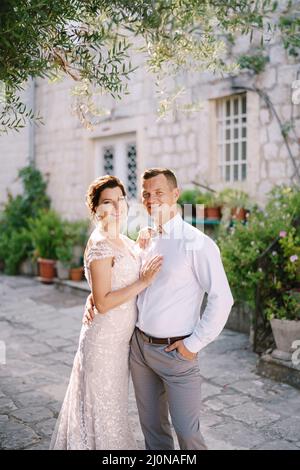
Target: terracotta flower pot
(76, 274)
(46, 270)
(238, 213)
(212, 213)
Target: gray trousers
(166, 381)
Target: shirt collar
(169, 226)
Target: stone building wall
(68, 154)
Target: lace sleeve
(98, 250)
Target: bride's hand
(144, 237)
(150, 269)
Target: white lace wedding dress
(94, 414)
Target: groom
(169, 331)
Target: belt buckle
(150, 340)
(169, 341)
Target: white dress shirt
(192, 265)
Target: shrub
(15, 242)
(46, 232)
(243, 245)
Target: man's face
(159, 197)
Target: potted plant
(284, 313)
(77, 233)
(290, 243)
(255, 257)
(46, 232)
(64, 257)
(237, 201)
(212, 206)
(188, 200)
(285, 323)
(76, 272)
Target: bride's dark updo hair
(96, 188)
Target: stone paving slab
(40, 326)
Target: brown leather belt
(152, 340)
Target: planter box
(276, 369)
(63, 271)
(29, 268)
(285, 332)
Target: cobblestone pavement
(39, 326)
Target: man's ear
(176, 193)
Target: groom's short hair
(151, 172)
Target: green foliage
(35, 187)
(234, 198)
(90, 41)
(189, 196)
(243, 245)
(77, 232)
(209, 199)
(287, 309)
(46, 232)
(64, 251)
(254, 62)
(15, 241)
(75, 235)
(289, 27)
(287, 127)
(55, 238)
(14, 248)
(194, 196)
(28, 228)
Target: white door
(118, 156)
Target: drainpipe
(31, 129)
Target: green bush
(15, 247)
(189, 196)
(29, 229)
(194, 196)
(64, 252)
(46, 232)
(77, 231)
(243, 244)
(75, 234)
(15, 242)
(233, 198)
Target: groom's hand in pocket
(89, 312)
(179, 345)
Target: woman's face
(112, 207)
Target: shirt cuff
(193, 343)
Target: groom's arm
(209, 271)
(89, 313)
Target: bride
(94, 414)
